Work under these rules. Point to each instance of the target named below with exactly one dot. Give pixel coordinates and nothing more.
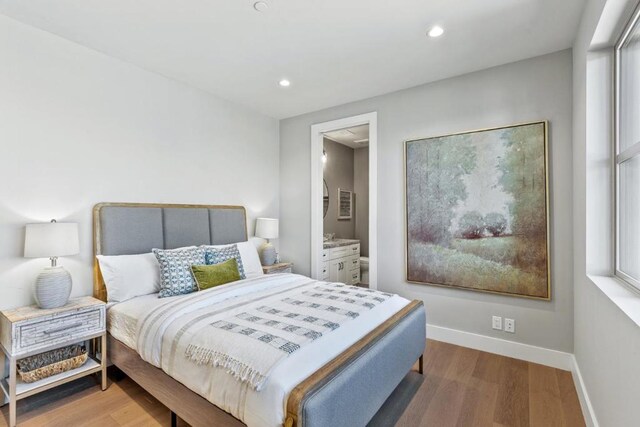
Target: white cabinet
(325, 271)
(343, 265)
(338, 271)
(326, 253)
(354, 269)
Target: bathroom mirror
(325, 199)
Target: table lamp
(51, 240)
(267, 228)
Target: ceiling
(332, 51)
(355, 137)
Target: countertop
(336, 243)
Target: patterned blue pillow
(218, 254)
(175, 270)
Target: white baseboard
(530, 353)
(585, 403)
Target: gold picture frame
(477, 210)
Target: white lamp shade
(267, 228)
(51, 239)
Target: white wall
(534, 89)
(606, 341)
(78, 127)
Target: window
(627, 154)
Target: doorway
(319, 192)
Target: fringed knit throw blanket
(250, 343)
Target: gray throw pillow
(175, 270)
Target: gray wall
(338, 172)
(607, 341)
(79, 127)
(534, 89)
(361, 188)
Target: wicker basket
(40, 366)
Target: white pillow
(249, 256)
(250, 259)
(129, 276)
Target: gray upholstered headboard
(134, 228)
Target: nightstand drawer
(38, 333)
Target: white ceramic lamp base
(267, 254)
(53, 287)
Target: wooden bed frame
(193, 408)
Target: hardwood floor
(465, 387)
(460, 387)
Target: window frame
(629, 153)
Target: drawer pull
(62, 328)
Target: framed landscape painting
(477, 210)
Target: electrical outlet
(497, 323)
(509, 325)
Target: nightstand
(283, 267)
(27, 331)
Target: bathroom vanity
(341, 261)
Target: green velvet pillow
(209, 276)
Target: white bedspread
(156, 342)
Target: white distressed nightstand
(26, 331)
(283, 267)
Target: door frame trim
(317, 132)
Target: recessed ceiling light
(284, 83)
(436, 31)
(260, 6)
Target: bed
(341, 379)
